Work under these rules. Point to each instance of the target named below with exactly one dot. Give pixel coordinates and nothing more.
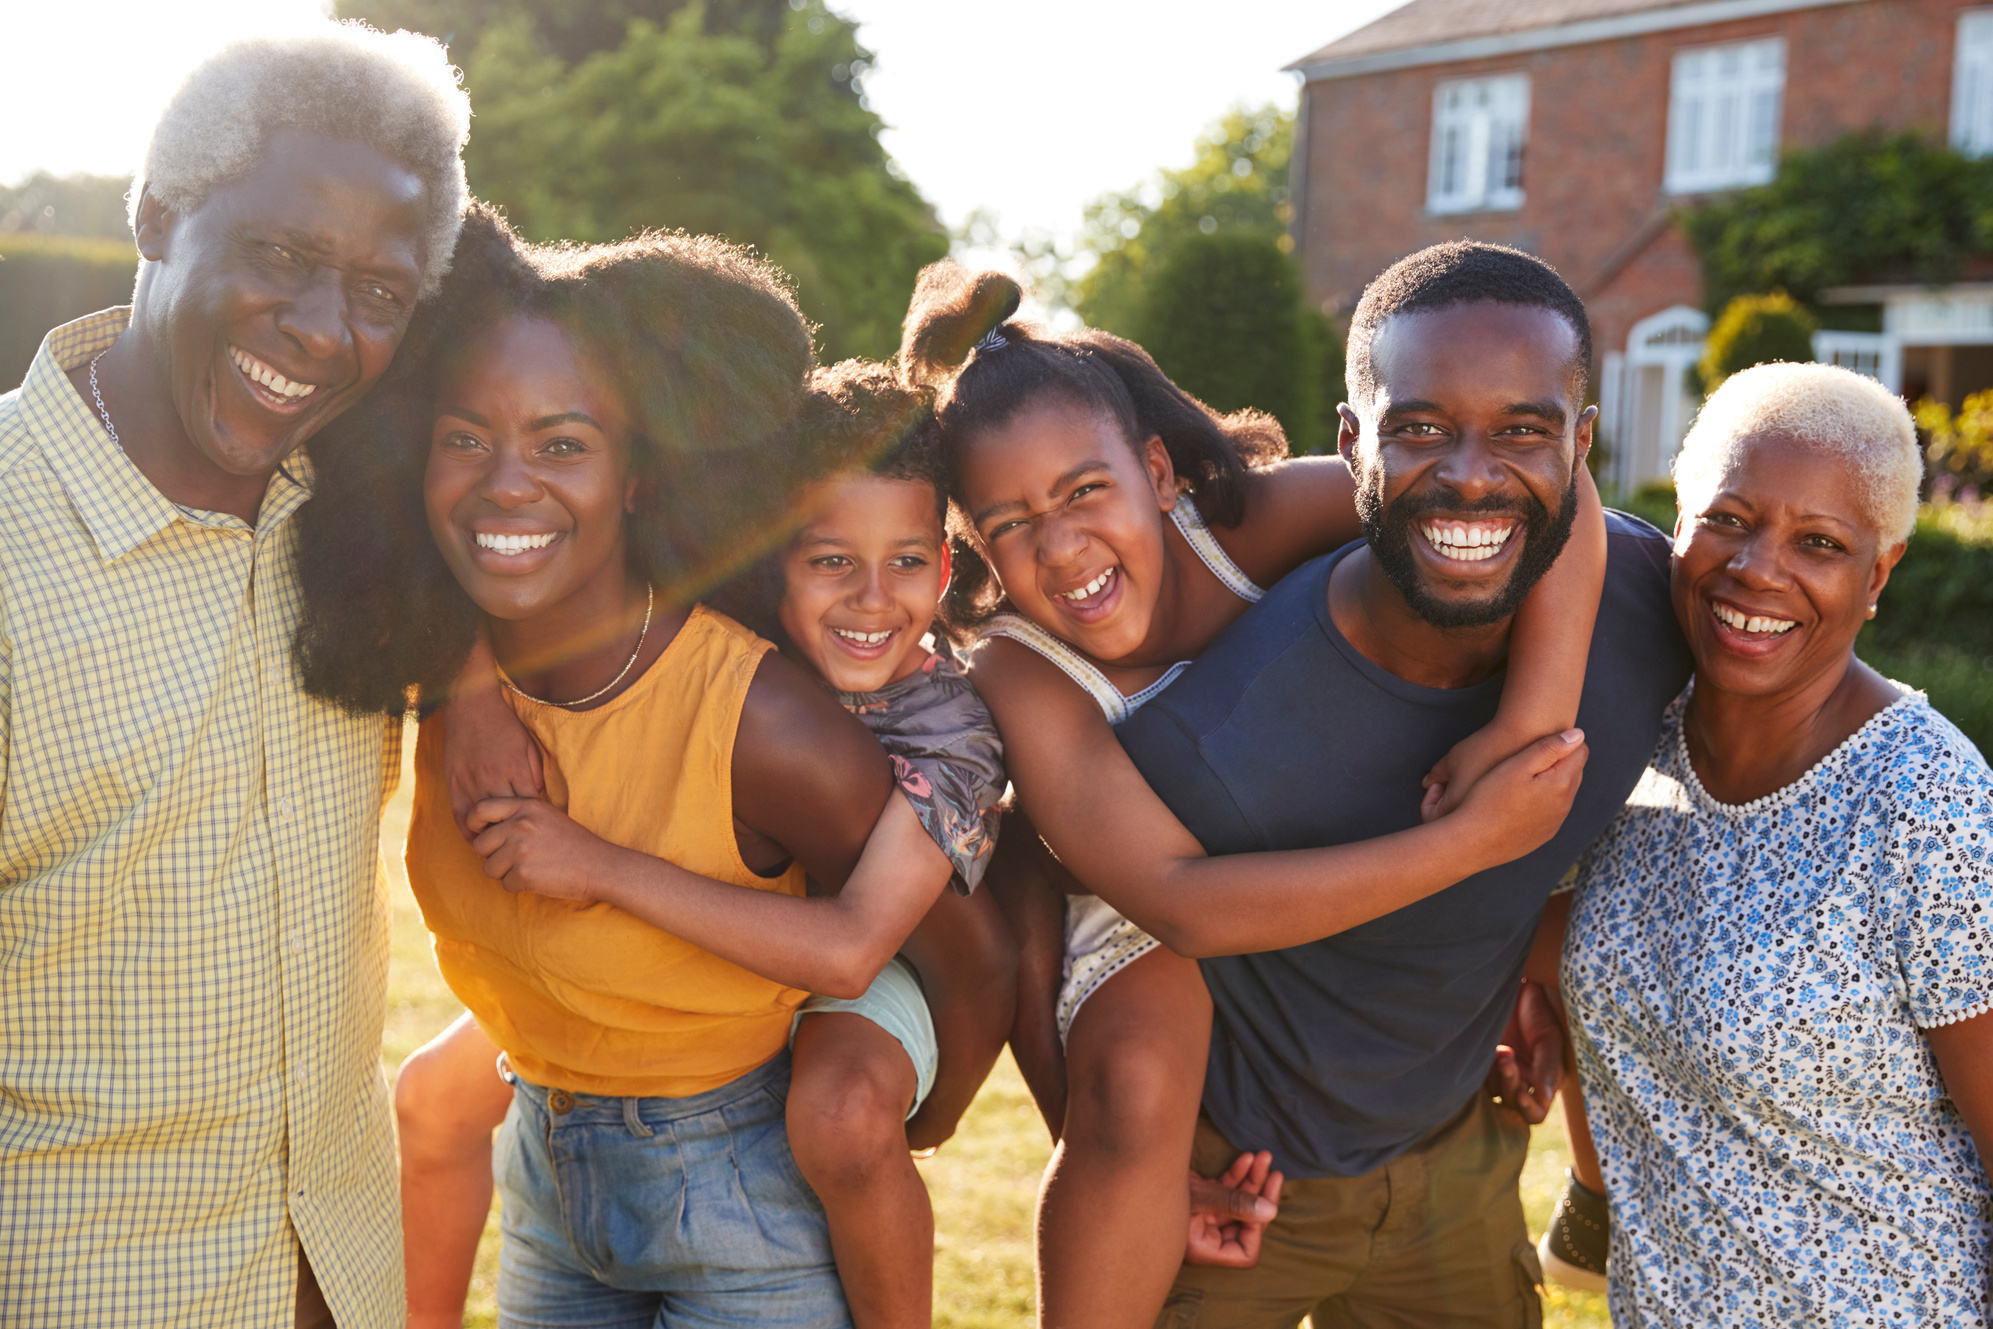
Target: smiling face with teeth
(1774, 572)
(1466, 457)
(267, 310)
(1071, 517)
(529, 482)
(862, 579)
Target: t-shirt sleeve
(955, 799)
(1938, 854)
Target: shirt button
(297, 944)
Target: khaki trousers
(1433, 1238)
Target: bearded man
(1358, 1059)
(193, 925)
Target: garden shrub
(1755, 330)
(47, 280)
(1941, 594)
(1866, 208)
(1961, 447)
(1224, 316)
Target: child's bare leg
(849, 1091)
(1115, 1206)
(967, 964)
(1025, 881)
(448, 1100)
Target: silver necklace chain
(650, 600)
(102, 409)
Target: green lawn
(983, 1182)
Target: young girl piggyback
(913, 982)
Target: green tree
(717, 127)
(1236, 183)
(1224, 316)
(1756, 330)
(1197, 265)
(571, 29)
(1867, 207)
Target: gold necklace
(650, 599)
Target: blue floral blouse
(1748, 983)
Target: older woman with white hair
(1780, 958)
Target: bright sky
(1027, 108)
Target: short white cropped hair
(1834, 411)
(397, 92)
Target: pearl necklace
(650, 599)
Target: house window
(1477, 136)
(1723, 116)
(1972, 84)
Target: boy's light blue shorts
(897, 1005)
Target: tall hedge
(47, 280)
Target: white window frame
(1972, 84)
(1725, 108)
(1479, 129)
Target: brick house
(1574, 128)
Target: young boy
(915, 984)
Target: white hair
(1829, 409)
(398, 93)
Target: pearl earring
(1871, 611)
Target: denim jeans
(660, 1212)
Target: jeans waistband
(568, 1105)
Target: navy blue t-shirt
(1341, 1054)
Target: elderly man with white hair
(193, 1125)
(1779, 958)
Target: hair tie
(993, 340)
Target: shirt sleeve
(956, 805)
(1938, 854)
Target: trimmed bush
(1756, 330)
(47, 280)
(1941, 594)
(1224, 316)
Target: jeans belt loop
(635, 1122)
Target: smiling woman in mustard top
(555, 430)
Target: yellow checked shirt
(193, 919)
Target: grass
(983, 1182)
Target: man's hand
(487, 752)
(1229, 1213)
(529, 845)
(1530, 1060)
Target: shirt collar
(120, 507)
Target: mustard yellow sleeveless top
(586, 997)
